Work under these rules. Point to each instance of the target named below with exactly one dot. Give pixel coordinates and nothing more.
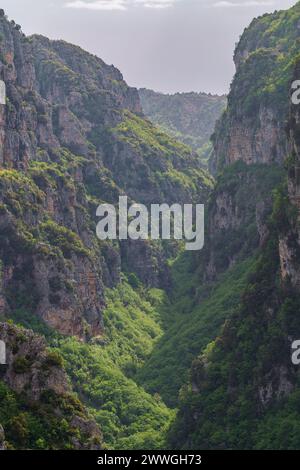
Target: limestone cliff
(289, 243)
(244, 387)
(253, 126)
(250, 140)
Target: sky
(166, 45)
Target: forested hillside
(189, 117)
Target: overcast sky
(166, 45)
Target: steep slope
(2, 439)
(207, 287)
(72, 135)
(244, 389)
(190, 117)
(38, 408)
(252, 128)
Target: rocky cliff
(72, 136)
(244, 388)
(253, 126)
(250, 140)
(38, 407)
(289, 236)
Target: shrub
(21, 365)
(54, 359)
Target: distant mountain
(190, 117)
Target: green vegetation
(193, 319)
(103, 373)
(142, 134)
(66, 240)
(167, 165)
(129, 417)
(234, 376)
(188, 117)
(38, 425)
(273, 43)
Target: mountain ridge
(190, 117)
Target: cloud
(98, 5)
(246, 3)
(156, 3)
(117, 4)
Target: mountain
(72, 136)
(243, 391)
(252, 128)
(189, 117)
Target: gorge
(139, 344)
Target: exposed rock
(72, 135)
(2, 439)
(278, 385)
(253, 127)
(238, 215)
(32, 370)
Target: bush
(21, 365)
(54, 359)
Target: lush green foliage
(188, 117)
(37, 425)
(234, 402)
(103, 373)
(192, 320)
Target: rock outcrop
(35, 374)
(289, 243)
(253, 126)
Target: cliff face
(36, 382)
(237, 215)
(72, 135)
(250, 140)
(244, 388)
(253, 127)
(289, 243)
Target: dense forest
(189, 117)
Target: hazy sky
(166, 45)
